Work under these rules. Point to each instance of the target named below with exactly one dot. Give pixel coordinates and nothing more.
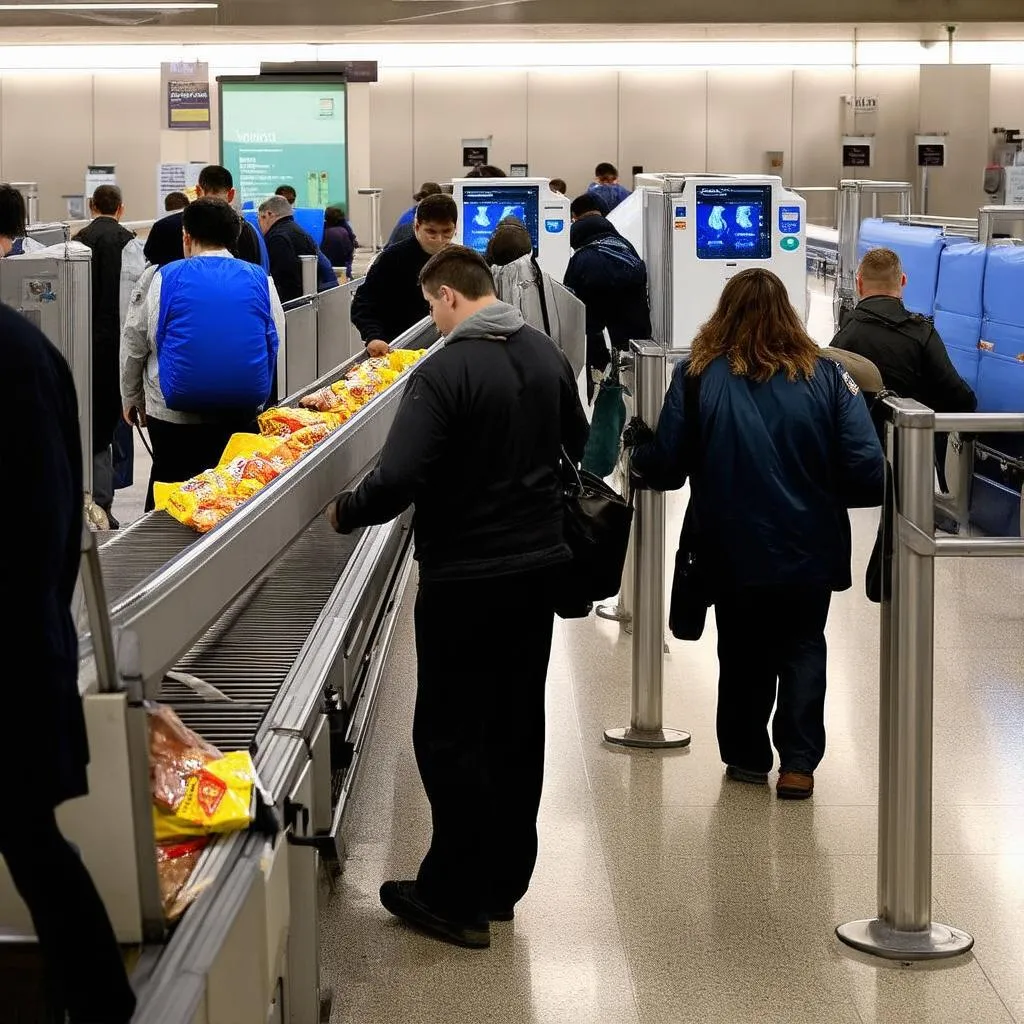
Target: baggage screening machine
(484, 202)
(696, 231)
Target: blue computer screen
(734, 222)
(485, 206)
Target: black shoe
(504, 914)
(400, 899)
(744, 775)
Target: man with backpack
(608, 276)
(199, 347)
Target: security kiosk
(696, 231)
(484, 202)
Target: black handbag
(691, 591)
(597, 521)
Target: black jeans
(772, 639)
(85, 973)
(181, 450)
(482, 648)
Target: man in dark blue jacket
(45, 740)
(476, 446)
(608, 276)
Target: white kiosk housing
(695, 231)
(483, 202)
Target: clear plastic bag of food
(175, 862)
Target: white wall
(408, 127)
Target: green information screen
(285, 133)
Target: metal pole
(645, 728)
(903, 929)
(309, 274)
(107, 677)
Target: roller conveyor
(249, 652)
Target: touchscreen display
(734, 222)
(484, 207)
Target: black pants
(181, 450)
(772, 639)
(85, 973)
(478, 733)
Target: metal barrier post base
(660, 739)
(878, 938)
(615, 613)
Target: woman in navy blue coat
(785, 445)
(45, 744)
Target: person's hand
(336, 513)
(377, 347)
(636, 432)
(135, 414)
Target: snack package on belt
(175, 862)
(286, 420)
(197, 791)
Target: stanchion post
(645, 729)
(903, 929)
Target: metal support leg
(646, 728)
(903, 929)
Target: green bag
(602, 451)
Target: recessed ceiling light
(185, 5)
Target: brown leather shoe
(794, 785)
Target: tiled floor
(665, 893)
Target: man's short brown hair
(107, 200)
(881, 267)
(463, 270)
(437, 209)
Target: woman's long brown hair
(756, 328)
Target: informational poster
(185, 88)
(857, 151)
(96, 175)
(285, 132)
(931, 150)
(175, 178)
(1015, 186)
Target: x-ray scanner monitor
(704, 229)
(484, 202)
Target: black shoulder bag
(597, 522)
(691, 595)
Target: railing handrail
(979, 422)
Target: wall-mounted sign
(857, 150)
(863, 104)
(931, 150)
(180, 177)
(185, 88)
(99, 174)
(474, 156)
(519, 170)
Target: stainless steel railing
(903, 928)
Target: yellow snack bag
(247, 446)
(217, 798)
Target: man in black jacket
(904, 346)
(46, 735)
(608, 276)
(117, 263)
(165, 244)
(390, 300)
(476, 445)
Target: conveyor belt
(249, 651)
(132, 555)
